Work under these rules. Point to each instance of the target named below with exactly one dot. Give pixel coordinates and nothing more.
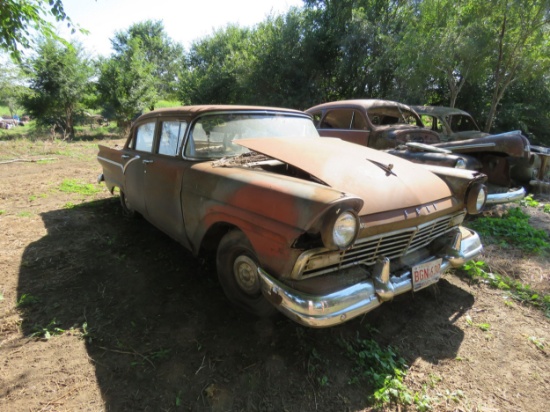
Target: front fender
(272, 210)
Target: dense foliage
(491, 58)
(59, 78)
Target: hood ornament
(387, 168)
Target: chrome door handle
(125, 156)
(147, 161)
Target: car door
(136, 157)
(163, 176)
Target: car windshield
(381, 116)
(212, 136)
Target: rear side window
(144, 137)
(338, 119)
(171, 137)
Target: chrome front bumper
(512, 196)
(334, 308)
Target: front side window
(214, 136)
(145, 135)
(171, 137)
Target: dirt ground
(137, 324)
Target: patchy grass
(479, 271)
(73, 186)
(512, 230)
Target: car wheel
(126, 206)
(237, 267)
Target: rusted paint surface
(385, 132)
(357, 170)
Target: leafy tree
(369, 62)
(126, 83)
(520, 43)
(18, 17)
(281, 73)
(12, 88)
(59, 78)
(526, 107)
(444, 46)
(160, 51)
(217, 68)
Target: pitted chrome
(352, 301)
(367, 250)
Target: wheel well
(213, 236)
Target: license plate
(426, 274)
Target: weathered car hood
(512, 143)
(383, 181)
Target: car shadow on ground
(162, 336)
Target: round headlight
(460, 163)
(341, 230)
(476, 198)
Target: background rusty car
(317, 228)
(508, 160)
(520, 161)
(449, 123)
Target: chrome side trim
(123, 168)
(337, 307)
(513, 196)
(471, 146)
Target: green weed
(316, 364)
(73, 186)
(48, 331)
(178, 401)
(479, 271)
(87, 333)
(27, 300)
(24, 214)
(385, 370)
(539, 344)
(529, 201)
(161, 354)
(483, 326)
(512, 229)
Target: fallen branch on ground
(27, 160)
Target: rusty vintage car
(449, 123)
(317, 228)
(511, 164)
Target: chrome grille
(390, 245)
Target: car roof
(196, 110)
(360, 103)
(439, 110)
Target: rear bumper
(340, 306)
(511, 196)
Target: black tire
(237, 267)
(126, 206)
